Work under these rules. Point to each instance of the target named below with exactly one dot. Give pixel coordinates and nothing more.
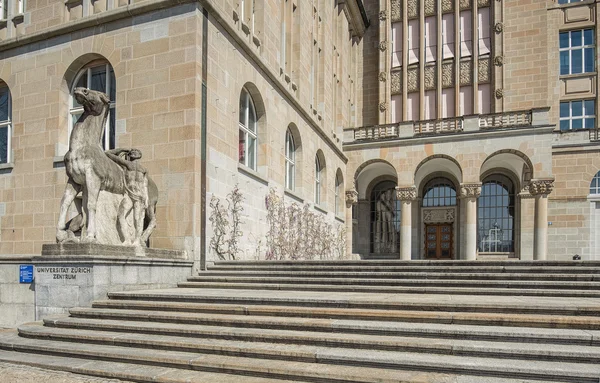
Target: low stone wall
(17, 300)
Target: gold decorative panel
(448, 75)
(430, 77)
(466, 72)
(413, 79)
(396, 84)
(483, 74)
(413, 8)
(396, 11)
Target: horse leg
(69, 195)
(90, 201)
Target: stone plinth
(98, 250)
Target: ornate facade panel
(413, 8)
(483, 72)
(396, 84)
(430, 77)
(396, 11)
(470, 190)
(465, 4)
(448, 75)
(447, 6)
(439, 215)
(413, 79)
(430, 7)
(406, 194)
(466, 72)
(483, 3)
(351, 197)
(541, 187)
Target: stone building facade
(424, 128)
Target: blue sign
(25, 273)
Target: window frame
(339, 181)
(570, 49)
(290, 161)
(8, 125)
(597, 187)
(245, 129)
(75, 110)
(318, 170)
(490, 194)
(584, 117)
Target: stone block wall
(16, 299)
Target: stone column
(469, 194)
(406, 195)
(540, 190)
(351, 200)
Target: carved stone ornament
(499, 60)
(430, 7)
(447, 6)
(412, 79)
(498, 27)
(114, 182)
(396, 11)
(499, 93)
(396, 82)
(430, 77)
(448, 75)
(383, 45)
(382, 106)
(351, 197)
(541, 187)
(406, 193)
(465, 4)
(470, 190)
(466, 72)
(383, 15)
(483, 71)
(483, 3)
(438, 215)
(382, 76)
(413, 9)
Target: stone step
(503, 288)
(126, 371)
(453, 262)
(356, 310)
(383, 364)
(366, 268)
(316, 324)
(348, 333)
(507, 283)
(384, 275)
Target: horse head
(94, 102)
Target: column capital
(351, 197)
(470, 190)
(406, 193)
(541, 187)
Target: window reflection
(496, 210)
(439, 192)
(385, 218)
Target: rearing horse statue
(90, 170)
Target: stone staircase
(345, 321)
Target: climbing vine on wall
(226, 222)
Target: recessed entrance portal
(438, 241)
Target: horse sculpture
(90, 170)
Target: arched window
(100, 77)
(318, 169)
(5, 124)
(339, 182)
(595, 185)
(247, 125)
(496, 215)
(385, 218)
(439, 192)
(290, 161)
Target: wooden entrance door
(438, 241)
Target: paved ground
(14, 373)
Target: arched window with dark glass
(439, 192)
(595, 185)
(496, 215)
(248, 130)
(5, 124)
(290, 161)
(101, 77)
(318, 169)
(385, 219)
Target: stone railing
(471, 123)
(505, 120)
(376, 132)
(446, 125)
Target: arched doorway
(439, 211)
(385, 220)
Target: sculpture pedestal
(74, 275)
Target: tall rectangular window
(412, 107)
(580, 114)
(5, 124)
(396, 44)
(568, 1)
(3, 9)
(484, 94)
(447, 102)
(429, 106)
(447, 36)
(413, 41)
(430, 39)
(466, 100)
(466, 34)
(396, 108)
(483, 30)
(577, 52)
